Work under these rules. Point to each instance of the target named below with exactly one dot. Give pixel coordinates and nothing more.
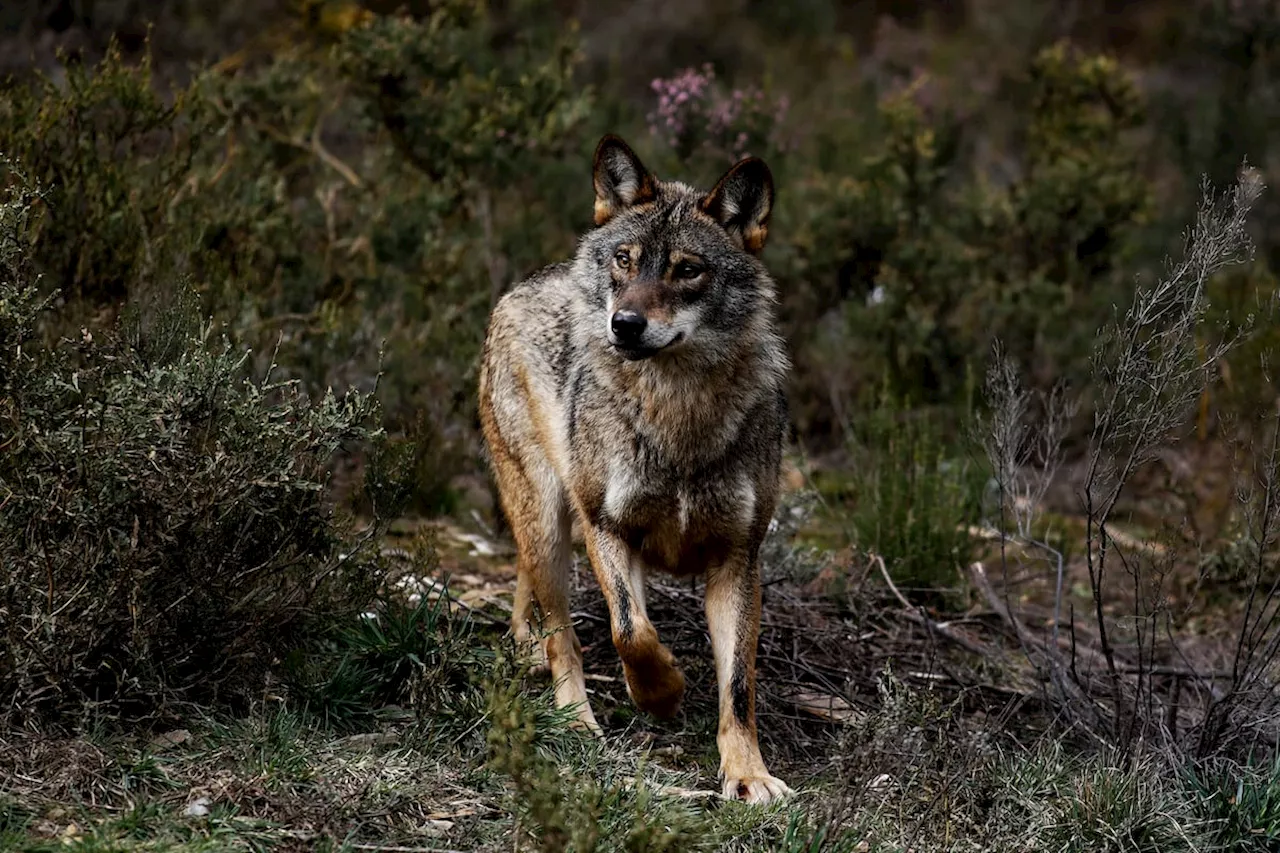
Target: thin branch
(916, 615)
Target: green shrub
(372, 180)
(406, 649)
(165, 528)
(903, 258)
(911, 492)
(385, 178)
(112, 153)
(595, 809)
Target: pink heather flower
(693, 110)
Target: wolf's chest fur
(656, 469)
(677, 526)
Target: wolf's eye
(685, 270)
(622, 259)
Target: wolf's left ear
(620, 178)
(742, 202)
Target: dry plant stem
(1024, 465)
(1258, 640)
(1250, 635)
(1067, 687)
(328, 158)
(495, 263)
(1152, 370)
(913, 613)
(1012, 452)
(1057, 586)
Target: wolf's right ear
(620, 178)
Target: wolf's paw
(758, 790)
(657, 690)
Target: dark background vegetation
(249, 250)
(949, 173)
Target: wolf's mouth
(639, 353)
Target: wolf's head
(671, 269)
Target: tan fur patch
(648, 298)
(753, 239)
(605, 209)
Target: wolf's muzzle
(628, 327)
(639, 350)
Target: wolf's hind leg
(733, 619)
(654, 682)
(524, 627)
(548, 575)
(538, 510)
(544, 567)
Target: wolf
(639, 387)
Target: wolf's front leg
(654, 682)
(733, 617)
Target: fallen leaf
(825, 706)
(170, 738)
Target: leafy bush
(910, 494)
(582, 812)
(112, 152)
(165, 529)
(903, 258)
(368, 182)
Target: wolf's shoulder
(534, 320)
(547, 283)
(540, 299)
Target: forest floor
(900, 726)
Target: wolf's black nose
(628, 325)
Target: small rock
(47, 828)
(368, 740)
(198, 807)
(881, 783)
